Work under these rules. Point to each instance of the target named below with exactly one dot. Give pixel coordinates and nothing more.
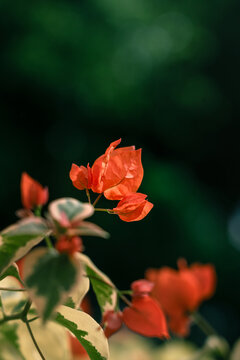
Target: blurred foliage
(163, 75)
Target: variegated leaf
(18, 239)
(88, 332)
(50, 277)
(69, 210)
(103, 287)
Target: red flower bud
(112, 321)
(32, 193)
(141, 287)
(69, 245)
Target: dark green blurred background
(163, 75)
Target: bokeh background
(162, 75)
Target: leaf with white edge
(81, 288)
(50, 277)
(89, 229)
(103, 287)
(88, 332)
(69, 211)
(18, 239)
(52, 339)
(9, 342)
(13, 271)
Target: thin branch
(33, 319)
(88, 196)
(206, 328)
(34, 340)
(11, 289)
(48, 242)
(97, 200)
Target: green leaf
(50, 277)
(18, 239)
(88, 332)
(89, 229)
(69, 209)
(12, 270)
(103, 287)
(9, 342)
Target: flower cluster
(117, 175)
(165, 301)
(180, 292)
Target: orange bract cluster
(33, 194)
(144, 315)
(180, 292)
(117, 175)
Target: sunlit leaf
(18, 239)
(103, 287)
(87, 331)
(11, 271)
(9, 342)
(89, 229)
(50, 277)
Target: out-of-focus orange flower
(118, 172)
(69, 245)
(141, 287)
(133, 207)
(180, 292)
(146, 317)
(33, 194)
(112, 321)
(81, 176)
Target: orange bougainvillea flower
(69, 245)
(33, 194)
(118, 172)
(81, 176)
(142, 287)
(146, 317)
(180, 292)
(112, 321)
(133, 207)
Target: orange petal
(32, 192)
(177, 293)
(133, 207)
(207, 278)
(80, 176)
(125, 168)
(179, 325)
(146, 318)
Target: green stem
(10, 318)
(34, 340)
(206, 328)
(37, 211)
(97, 200)
(48, 242)
(33, 319)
